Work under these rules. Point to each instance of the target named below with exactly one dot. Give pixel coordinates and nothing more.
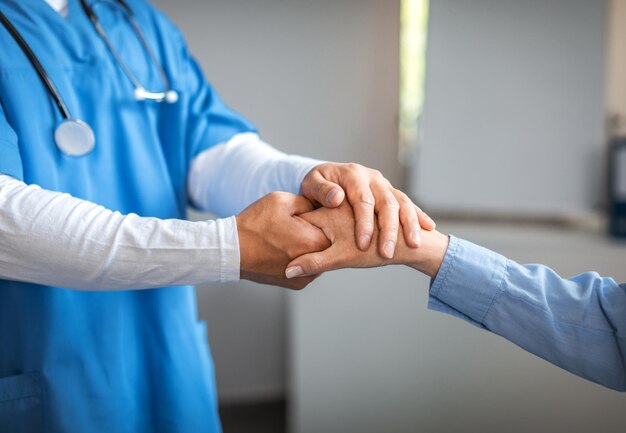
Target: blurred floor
(263, 417)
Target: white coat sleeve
(226, 178)
(55, 239)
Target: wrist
(429, 256)
(243, 236)
(301, 167)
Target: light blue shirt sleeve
(577, 323)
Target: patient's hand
(338, 225)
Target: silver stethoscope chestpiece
(74, 137)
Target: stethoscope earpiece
(139, 94)
(171, 96)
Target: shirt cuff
(298, 168)
(229, 246)
(469, 281)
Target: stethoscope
(73, 136)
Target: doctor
(577, 323)
(108, 130)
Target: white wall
(318, 78)
(514, 113)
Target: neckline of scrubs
(75, 22)
(73, 7)
(76, 36)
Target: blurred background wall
(514, 105)
(357, 351)
(615, 86)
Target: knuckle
(376, 173)
(277, 197)
(366, 198)
(390, 227)
(391, 203)
(364, 226)
(410, 219)
(390, 236)
(353, 166)
(404, 199)
(287, 199)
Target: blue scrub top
(80, 361)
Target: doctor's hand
(338, 225)
(271, 234)
(373, 198)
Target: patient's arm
(576, 323)
(338, 226)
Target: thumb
(312, 264)
(317, 188)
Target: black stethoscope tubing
(43, 75)
(168, 95)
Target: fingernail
(430, 220)
(364, 241)
(388, 249)
(331, 195)
(293, 272)
(415, 235)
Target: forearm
(577, 323)
(54, 239)
(230, 176)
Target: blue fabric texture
(10, 161)
(130, 361)
(577, 323)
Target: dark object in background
(255, 417)
(617, 187)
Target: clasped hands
(347, 216)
